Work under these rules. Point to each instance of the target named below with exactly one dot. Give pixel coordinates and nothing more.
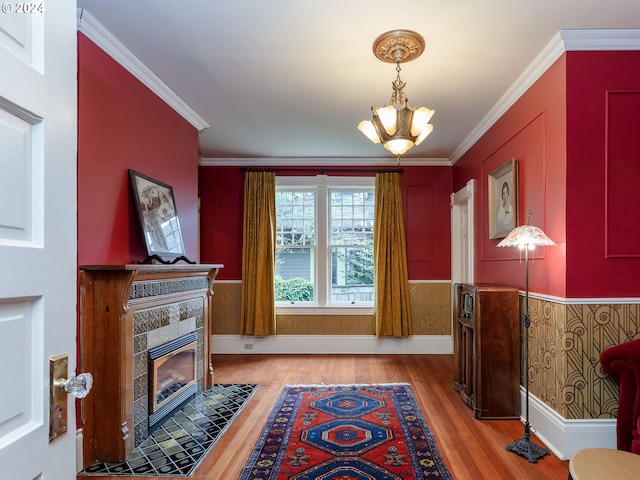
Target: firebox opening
(173, 376)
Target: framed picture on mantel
(158, 217)
(503, 199)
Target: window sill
(315, 310)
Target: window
(324, 242)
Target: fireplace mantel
(125, 310)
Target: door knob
(79, 386)
(59, 386)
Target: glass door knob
(79, 386)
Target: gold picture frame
(503, 211)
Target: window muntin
(324, 241)
(351, 245)
(295, 245)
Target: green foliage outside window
(293, 290)
(359, 263)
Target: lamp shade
(526, 237)
(398, 129)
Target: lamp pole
(524, 446)
(526, 237)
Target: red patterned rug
(346, 432)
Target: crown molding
(98, 34)
(322, 161)
(601, 39)
(563, 41)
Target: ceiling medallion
(398, 46)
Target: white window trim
(322, 183)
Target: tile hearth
(177, 446)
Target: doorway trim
(462, 234)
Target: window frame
(322, 184)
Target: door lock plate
(58, 369)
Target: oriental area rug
(346, 432)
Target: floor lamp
(526, 237)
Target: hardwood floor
(471, 449)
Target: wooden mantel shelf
(143, 271)
(157, 267)
(123, 308)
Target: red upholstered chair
(623, 362)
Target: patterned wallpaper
(431, 308)
(430, 313)
(565, 342)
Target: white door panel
(21, 35)
(38, 271)
(19, 344)
(20, 201)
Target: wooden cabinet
(487, 349)
(124, 311)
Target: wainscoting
(430, 314)
(565, 437)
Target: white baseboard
(337, 344)
(565, 437)
(79, 446)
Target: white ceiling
(293, 78)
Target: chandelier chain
(398, 98)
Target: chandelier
(398, 126)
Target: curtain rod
(323, 170)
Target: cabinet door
(464, 369)
(498, 354)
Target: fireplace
(172, 376)
(127, 310)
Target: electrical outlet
(248, 346)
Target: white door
(462, 244)
(37, 232)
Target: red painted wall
(533, 132)
(122, 125)
(575, 134)
(221, 202)
(426, 193)
(603, 174)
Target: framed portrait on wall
(158, 217)
(503, 199)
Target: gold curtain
(392, 306)
(257, 311)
